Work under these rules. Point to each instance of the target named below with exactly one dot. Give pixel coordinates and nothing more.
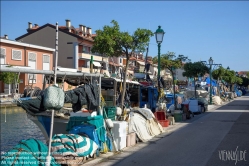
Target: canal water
(15, 126)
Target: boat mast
(48, 158)
(56, 53)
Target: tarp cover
(72, 144)
(29, 152)
(144, 124)
(213, 81)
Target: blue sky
(197, 29)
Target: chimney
(36, 25)
(6, 37)
(84, 30)
(89, 31)
(29, 25)
(81, 27)
(68, 23)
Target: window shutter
(46, 65)
(3, 55)
(3, 52)
(16, 54)
(32, 56)
(45, 59)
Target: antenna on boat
(48, 158)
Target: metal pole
(56, 53)
(48, 158)
(159, 67)
(47, 72)
(101, 110)
(174, 88)
(210, 97)
(115, 92)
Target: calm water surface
(17, 127)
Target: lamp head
(159, 35)
(211, 61)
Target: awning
(130, 71)
(97, 64)
(141, 63)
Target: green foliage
(245, 82)
(238, 80)
(9, 77)
(218, 73)
(229, 76)
(170, 61)
(175, 82)
(110, 41)
(195, 69)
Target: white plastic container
(121, 142)
(83, 114)
(119, 128)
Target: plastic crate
(160, 115)
(164, 123)
(88, 130)
(110, 112)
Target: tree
(245, 82)
(229, 77)
(9, 77)
(194, 70)
(218, 74)
(110, 41)
(170, 61)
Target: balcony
(87, 70)
(95, 57)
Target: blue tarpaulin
(214, 83)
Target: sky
(196, 29)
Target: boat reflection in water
(17, 127)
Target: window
(46, 62)
(32, 64)
(3, 55)
(16, 55)
(120, 60)
(85, 49)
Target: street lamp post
(173, 75)
(159, 39)
(210, 75)
(211, 63)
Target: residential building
(74, 45)
(243, 73)
(179, 74)
(19, 54)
